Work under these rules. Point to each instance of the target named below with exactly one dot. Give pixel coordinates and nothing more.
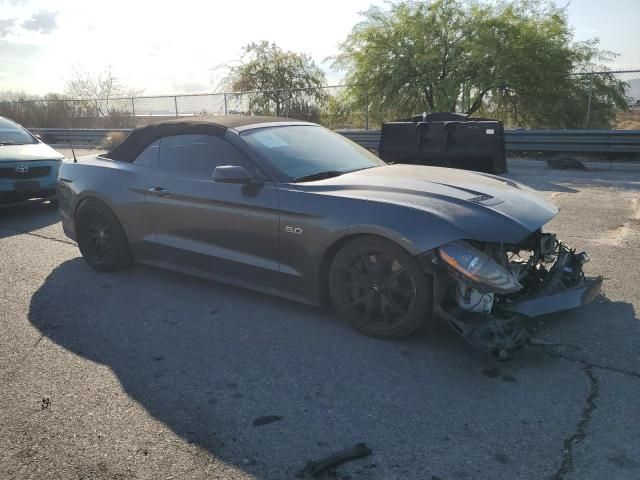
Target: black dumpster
(447, 140)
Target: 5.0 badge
(294, 230)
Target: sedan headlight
(478, 267)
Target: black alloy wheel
(100, 243)
(101, 239)
(379, 288)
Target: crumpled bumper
(502, 332)
(570, 298)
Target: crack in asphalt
(24, 232)
(580, 434)
(568, 445)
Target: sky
(180, 47)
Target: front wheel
(102, 241)
(379, 288)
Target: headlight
(478, 267)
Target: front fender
(414, 230)
(311, 224)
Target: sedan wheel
(379, 288)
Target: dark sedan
(28, 167)
(293, 209)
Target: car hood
(478, 206)
(25, 153)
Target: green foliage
(278, 82)
(344, 110)
(513, 60)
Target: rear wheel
(379, 288)
(102, 241)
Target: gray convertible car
(291, 208)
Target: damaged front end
(486, 290)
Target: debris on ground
(316, 467)
(258, 422)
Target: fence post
(97, 115)
(366, 110)
(226, 112)
(175, 102)
(586, 123)
(133, 110)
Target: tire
(101, 239)
(379, 289)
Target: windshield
(300, 151)
(13, 134)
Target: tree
(97, 86)
(100, 96)
(278, 81)
(516, 60)
(99, 92)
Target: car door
(226, 228)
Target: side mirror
(232, 174)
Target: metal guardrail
(584, 141)
(81, 136)
(579, 141)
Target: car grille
(33, 172)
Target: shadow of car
(266, 385)
(18, 219)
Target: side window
(149, 156)
(199, 155)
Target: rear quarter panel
(121, 186)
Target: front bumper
(19, 189)
(503, 331)
(570, 298)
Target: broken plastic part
(471, 300)
(316, 467)
(501, 338)
(501, 331)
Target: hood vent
(486, 200)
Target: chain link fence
(629, 119)
(335, 107)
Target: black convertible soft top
(141, 137)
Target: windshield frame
(18, 128)
(276, 173)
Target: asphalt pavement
(148, 374)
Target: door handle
(161, 192)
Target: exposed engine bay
(486, 290)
